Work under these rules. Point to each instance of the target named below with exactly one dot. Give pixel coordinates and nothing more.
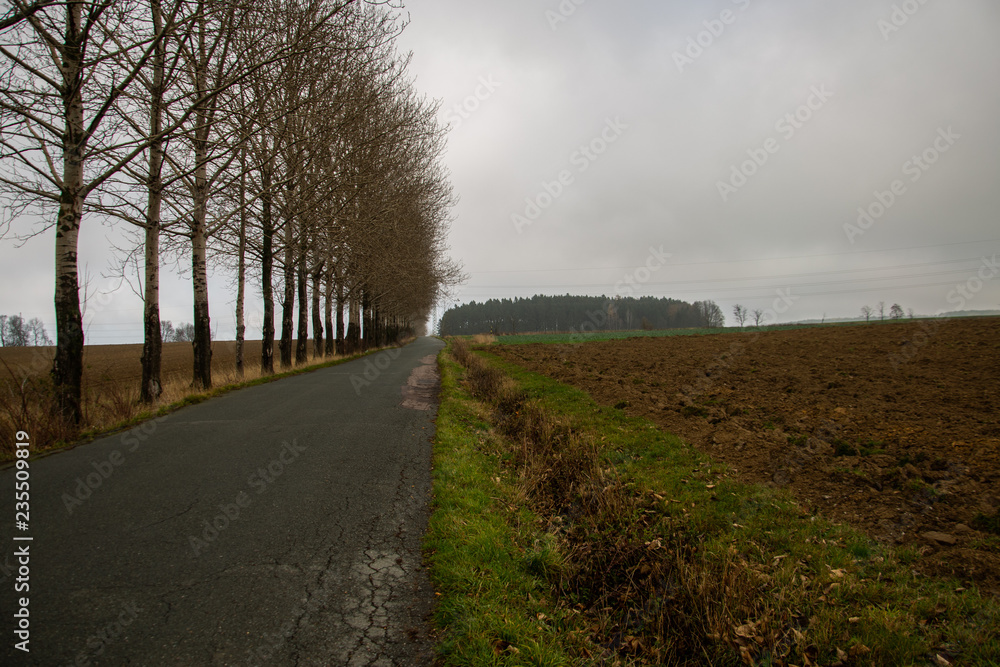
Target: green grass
(739, 556)
(487, 555)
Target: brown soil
(892, 428)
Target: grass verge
(568, 533)
(487, 553)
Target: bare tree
(711, 314)
(896, 312)
(16, 333)
(881, 310)
(740, 313)
(37, 335)
(151, 386)
(184, 333)
(867, 311)
(146, 114)
(166, 330)
(209, 67)
(758, 316)
(65, 75)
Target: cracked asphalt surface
(275, 525)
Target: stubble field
(109, 365)
(111, 378)
(894, 428)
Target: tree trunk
(366, 322)
(302, 335)
(199, 232)
(241, 268)
(67, 368)
(341, 349)
(285, 346)
(352, 342)
(317, 317)
(267, 265)
(152, 342)
(202, 324)
(328, 315)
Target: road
(275, 525)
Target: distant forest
(578, 313)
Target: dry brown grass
(484, 339)
(112, 374)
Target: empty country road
(275, 525)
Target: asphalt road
(275, 525)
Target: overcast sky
(695, 87)
(740, 138)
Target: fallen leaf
(859, 649)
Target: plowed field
(893, 428)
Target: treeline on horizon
(567, 313)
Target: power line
(739, 261)
(678, 293)
(772, 277)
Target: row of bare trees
(15, 331)
(281, 140)
(895, 312)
